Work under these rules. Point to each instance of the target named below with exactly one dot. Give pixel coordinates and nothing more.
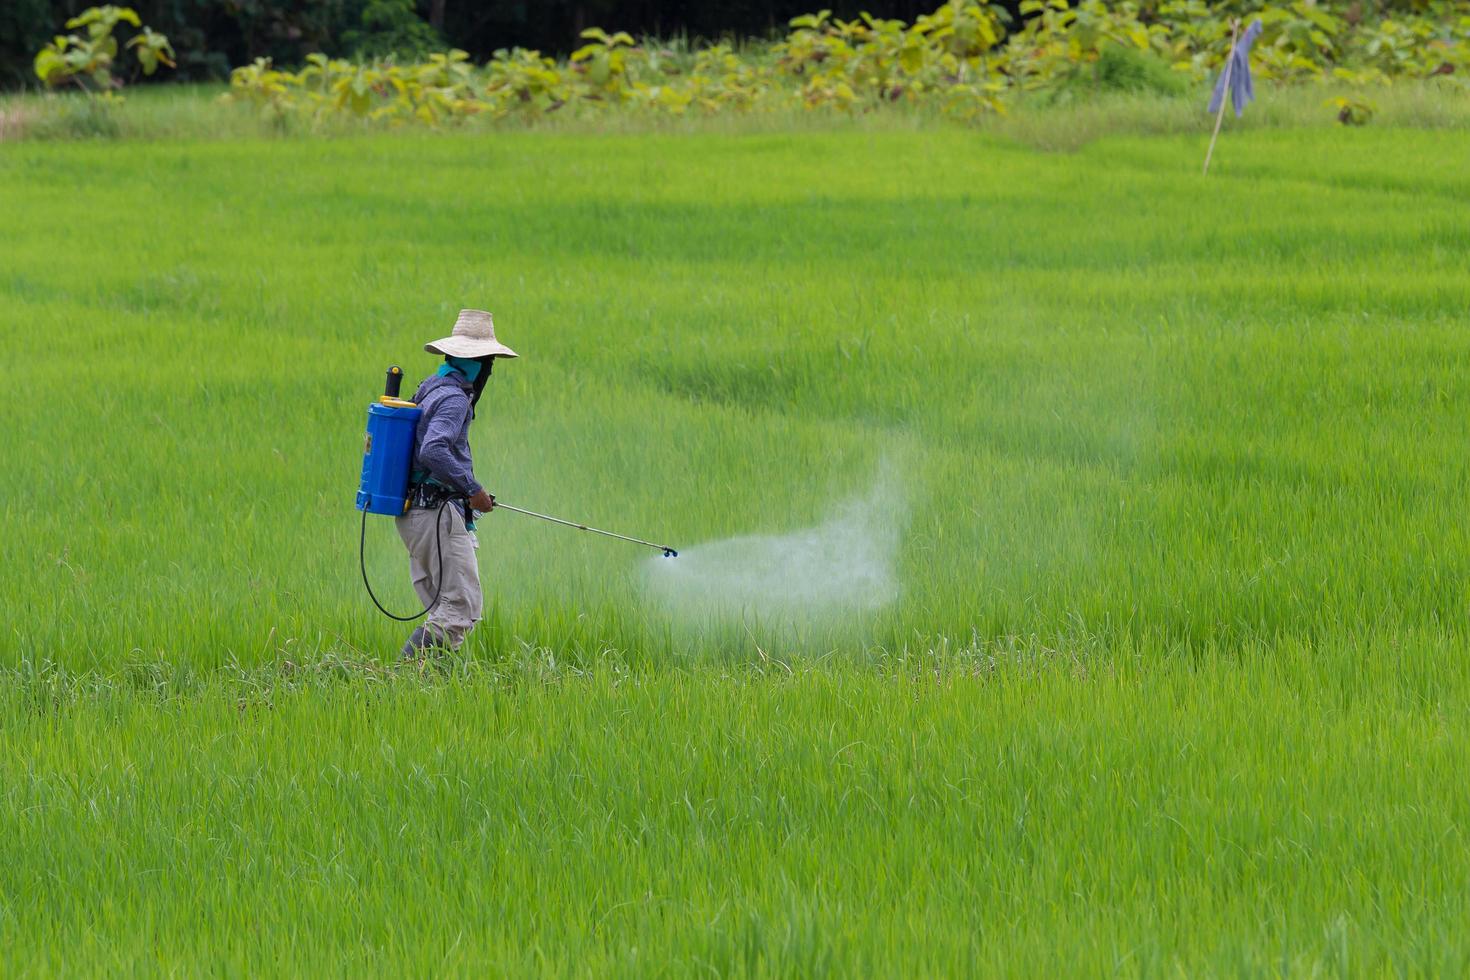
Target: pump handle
(395, 381)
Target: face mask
(470, 369)
(489, 366)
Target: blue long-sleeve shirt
(442, 440)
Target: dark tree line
(212, 36)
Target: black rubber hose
(438, 549)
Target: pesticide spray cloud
(843, 565)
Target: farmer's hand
(483, 502)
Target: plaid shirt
(442, 442)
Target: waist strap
(431, 494)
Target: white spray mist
(845, 564)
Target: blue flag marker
(1235, 77)
(1237, 73)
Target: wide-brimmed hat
(473, 336)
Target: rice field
(1073, 575)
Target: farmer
(443, 471)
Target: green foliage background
(213, 36)
(965, 60)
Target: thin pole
(668, 552)
(1224, 92)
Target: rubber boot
(425, 641)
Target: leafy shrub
(1299, 40)
(1352, 112)
(1126, 69)
(87, 60)
(439, 90)
(525, 82)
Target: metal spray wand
(668, 552)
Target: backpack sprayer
(387, 462)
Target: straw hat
(474, 336)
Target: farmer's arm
(441, 436)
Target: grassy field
(1167, 473)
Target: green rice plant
(1168, 477)
(970, 812)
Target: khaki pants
(460, 602)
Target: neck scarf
(470, 369)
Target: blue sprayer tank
(387, 456)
